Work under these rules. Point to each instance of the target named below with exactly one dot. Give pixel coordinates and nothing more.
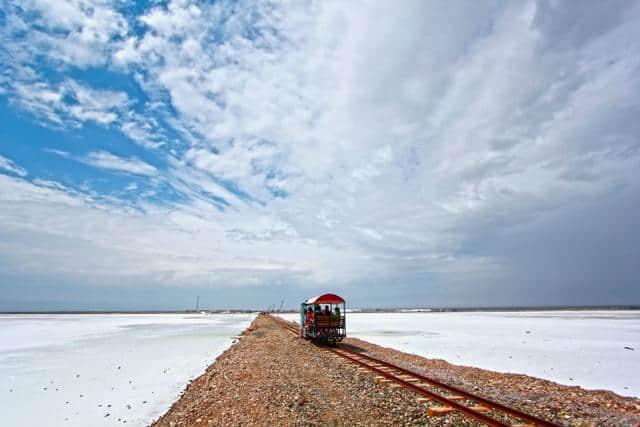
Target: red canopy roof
(325, 299)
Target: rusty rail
(362, 359)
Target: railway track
(452, 398)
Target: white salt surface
(585, 348)
(73, 370)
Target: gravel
(269, 376)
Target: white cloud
(100, 106)
(70, 102)
(76, 32)
(9, 166)
(144, 129)
(41, 100)
(106, 160)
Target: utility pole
(198, 303)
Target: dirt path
(271, 377)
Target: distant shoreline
(352, 310)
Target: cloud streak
(105, 160)
(70, 103)
(10, 166)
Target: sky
(401, 154)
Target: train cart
(322, 319)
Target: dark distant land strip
(357, 310)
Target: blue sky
(412, 154)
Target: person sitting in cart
(336, 313)
(327, 314)
(309, 318)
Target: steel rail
(452, 403)
(432, 395)
(481, 400)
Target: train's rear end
(322, 319)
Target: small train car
(322, 319)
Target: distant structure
(198, 303)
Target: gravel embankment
(271, 377)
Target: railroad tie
(455, 397)
(435, 411)
(387, 381)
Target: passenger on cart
(335, 320)
(326, 314)
(309, 318)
